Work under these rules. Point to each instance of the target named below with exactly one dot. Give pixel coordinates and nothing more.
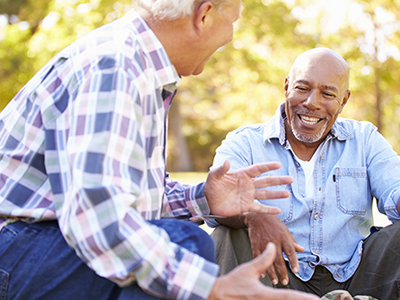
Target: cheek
(227, 35)
(334, 109)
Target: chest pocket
(352, 190)
(285, 204)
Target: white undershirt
(308, 168)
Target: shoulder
(112, 46)
(352, 127)
(247, 132)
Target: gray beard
(308, 138)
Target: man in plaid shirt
(86, 210)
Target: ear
(286, 84)
(345, 99)
(202, 16)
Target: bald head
(325, 58)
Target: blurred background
(243, 82)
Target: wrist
(216, 290)
(247, 218)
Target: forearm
(241, 221)
(236, 222)
(184, 200)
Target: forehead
(320, 72)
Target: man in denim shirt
(338, 166)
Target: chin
(198, 71)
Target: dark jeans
(378, 274)
(37, 263)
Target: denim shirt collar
(275, 128)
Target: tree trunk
(179, 148)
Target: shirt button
(303, 195)
(319, 189)
(316, 216)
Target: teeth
(309, 120)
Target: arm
(110, 192)
(226, 193)
(383, 167)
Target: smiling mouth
(309, 120)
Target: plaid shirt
(84, 142)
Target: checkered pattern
(84, 142)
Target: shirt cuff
(391, 209)
(196, 200)
(195, 278)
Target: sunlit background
(243, 82)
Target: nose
(313, 100)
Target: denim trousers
(37, 263)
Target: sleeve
(184, 201)
(384, 173)
(236, 149)
(105, 180)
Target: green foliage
(32, 40)
(243, 82)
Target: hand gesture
(243, 282)
(232, 193)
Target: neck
(304, 151)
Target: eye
(329, 95)
(301, 88)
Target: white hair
(173, 9)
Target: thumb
(262, 262)
(298, 247)
(221, 170)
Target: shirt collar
(275, 128)
(165, 71)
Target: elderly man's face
(315, 92)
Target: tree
(243, 82)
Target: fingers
(280, 266)
(290, 251)
(264, 209)
(262, 262)
(269, 194)
(257, 169)
(265, 181)
(272, 275)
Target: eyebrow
(327, 87)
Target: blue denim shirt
(355, 164)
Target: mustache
(309, 113)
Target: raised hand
(232, 193)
